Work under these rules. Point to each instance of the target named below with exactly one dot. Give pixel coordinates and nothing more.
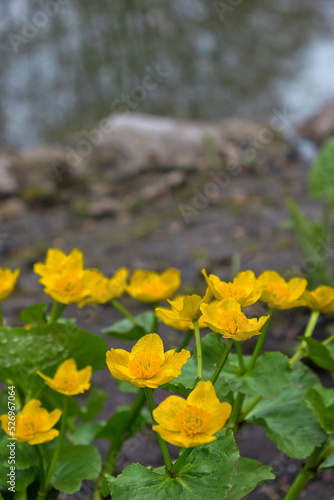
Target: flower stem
(58, 446)
(198, 350)
(177, 466)
(162, 443)
(240, 357)
(222, 361)
(260, 342)
(123, 311)
(155, 319)
(328, 341)
(53, 312)
(249, 407)
(59, 312)
(1, 317)
(308, 471)
(41, 472)
(186, 340)
(236, 409)
(301, 352)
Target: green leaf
(22, 478)
(87, 432)
(117, 427)
(208, 474)
(288, 420)
(319, 354)
(250, 473)
(94, 404)
(126, 330)
(271, 374)
(328, 463)
(25, 455)
(75, 464)
(34, 315)
(321, 178)
(44, 348)
(125, 386)
(185, 382)
(321, 402)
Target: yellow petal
(167, 412)
(43, 437)
(219, 417)
(49, 419)
(182, 440)
(204, 396)
(84, 377)
(172, 367)
(150, 343)
(67, 367)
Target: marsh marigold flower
(192, 421)
(8, 281)
(243, 288)
(184, 310)
(102, 289)
(64, 281)
(321, 299)
(33, 425)
(225, 317)
(56, 261)
(68, 379)
(149, 286)
(147, 365)
(278, 293)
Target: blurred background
(164, 134)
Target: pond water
(65, 64)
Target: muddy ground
(188, 226)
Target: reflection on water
(69, 64)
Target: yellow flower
(33, 425)
(243, 288)
(149, 286)
(102, 289)
(185, 309)
(192, 421)
(278, 293)
(68, 379)
(56, 261)
(8, 281)
(146, 365)
(320, 299)
(226, 318)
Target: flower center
(69, 285)
(146, 365)
(67, 383)
(278, 290)
(234, 322)
(193, 420)
(27, 425)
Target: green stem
(59, 312)
(328, 341)
(186, 340)
(162, 443)
(41, 472)
(1, 317)
(58, 446)
(123, 311)
(180, 461)
(198, 350)
(302, 350)
(308, 471)
(222, 361)
(110, 463)
(240, 357)
(260, 342)
(236, 409)
(53, 312)
(155, 319)
(249, 407)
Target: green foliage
(201, 477)
(321, 402)
(321, 178)
(288, 420)
(319, 354)
(34, 315)
(22, 477)
(250, 473)
(44, 348)
(75, 464)
(126, 330)
(94, 404)
(118, 428)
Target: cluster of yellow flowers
(181, 422)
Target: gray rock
(320, 127)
